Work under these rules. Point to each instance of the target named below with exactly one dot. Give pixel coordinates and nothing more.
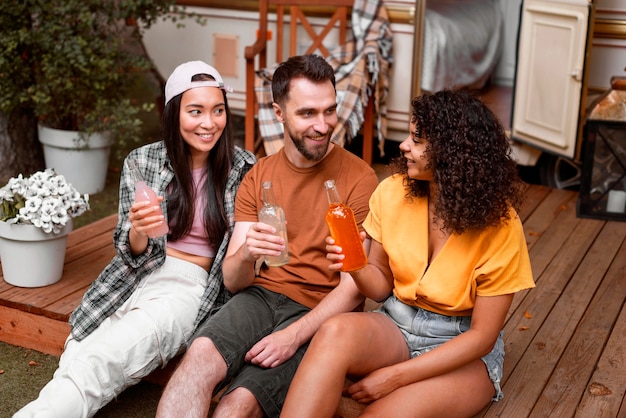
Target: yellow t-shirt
(490, 262)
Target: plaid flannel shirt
(361, 67)
(120, 278)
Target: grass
(24, 372)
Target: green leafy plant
(74, 62)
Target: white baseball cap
(180, 79)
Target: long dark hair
(470, 156)
(180, 201)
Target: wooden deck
(565, 339)
(565, 345)
(37, 318)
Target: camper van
(539, 63)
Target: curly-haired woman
(447, 255)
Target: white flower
(32, 205)
(45, 200)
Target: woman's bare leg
(351, 343)
(461, 393)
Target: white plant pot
(31, 257)
(84, 165)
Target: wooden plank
(77, 275)
(81, 274)
(533, 196)
(63, 308)
(82, 241)
(569, 379)
(519, 328)
(32, 331)
(104, 240)
(547, 242)
(536, 343)
(90, 238)
(36, 318)
(84, 233)
(552, 240)
(544, 215)
(622, 410)
(607, 386)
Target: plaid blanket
(362, 69)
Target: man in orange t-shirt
(256, 340)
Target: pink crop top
(196, 241)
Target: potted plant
(36, 215)
(74, 62)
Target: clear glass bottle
(272, 214)
(143, 192)
(344, 230)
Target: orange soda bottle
(143, 192)
(343, 229)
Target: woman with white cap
(140, 311)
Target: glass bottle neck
(268, 194)
(331, 191)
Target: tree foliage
(73, 62)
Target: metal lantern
(603, 183)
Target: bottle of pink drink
(143, 192)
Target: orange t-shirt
(301, 193)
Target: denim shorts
(245, 319)
(424, 330)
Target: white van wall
(227, 32)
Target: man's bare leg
(239, 403)
(190, 389)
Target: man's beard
(315, 154)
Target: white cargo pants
(147, 331)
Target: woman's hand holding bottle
(146, 214)
(146, 217)
(335, 254)
(344, 230)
